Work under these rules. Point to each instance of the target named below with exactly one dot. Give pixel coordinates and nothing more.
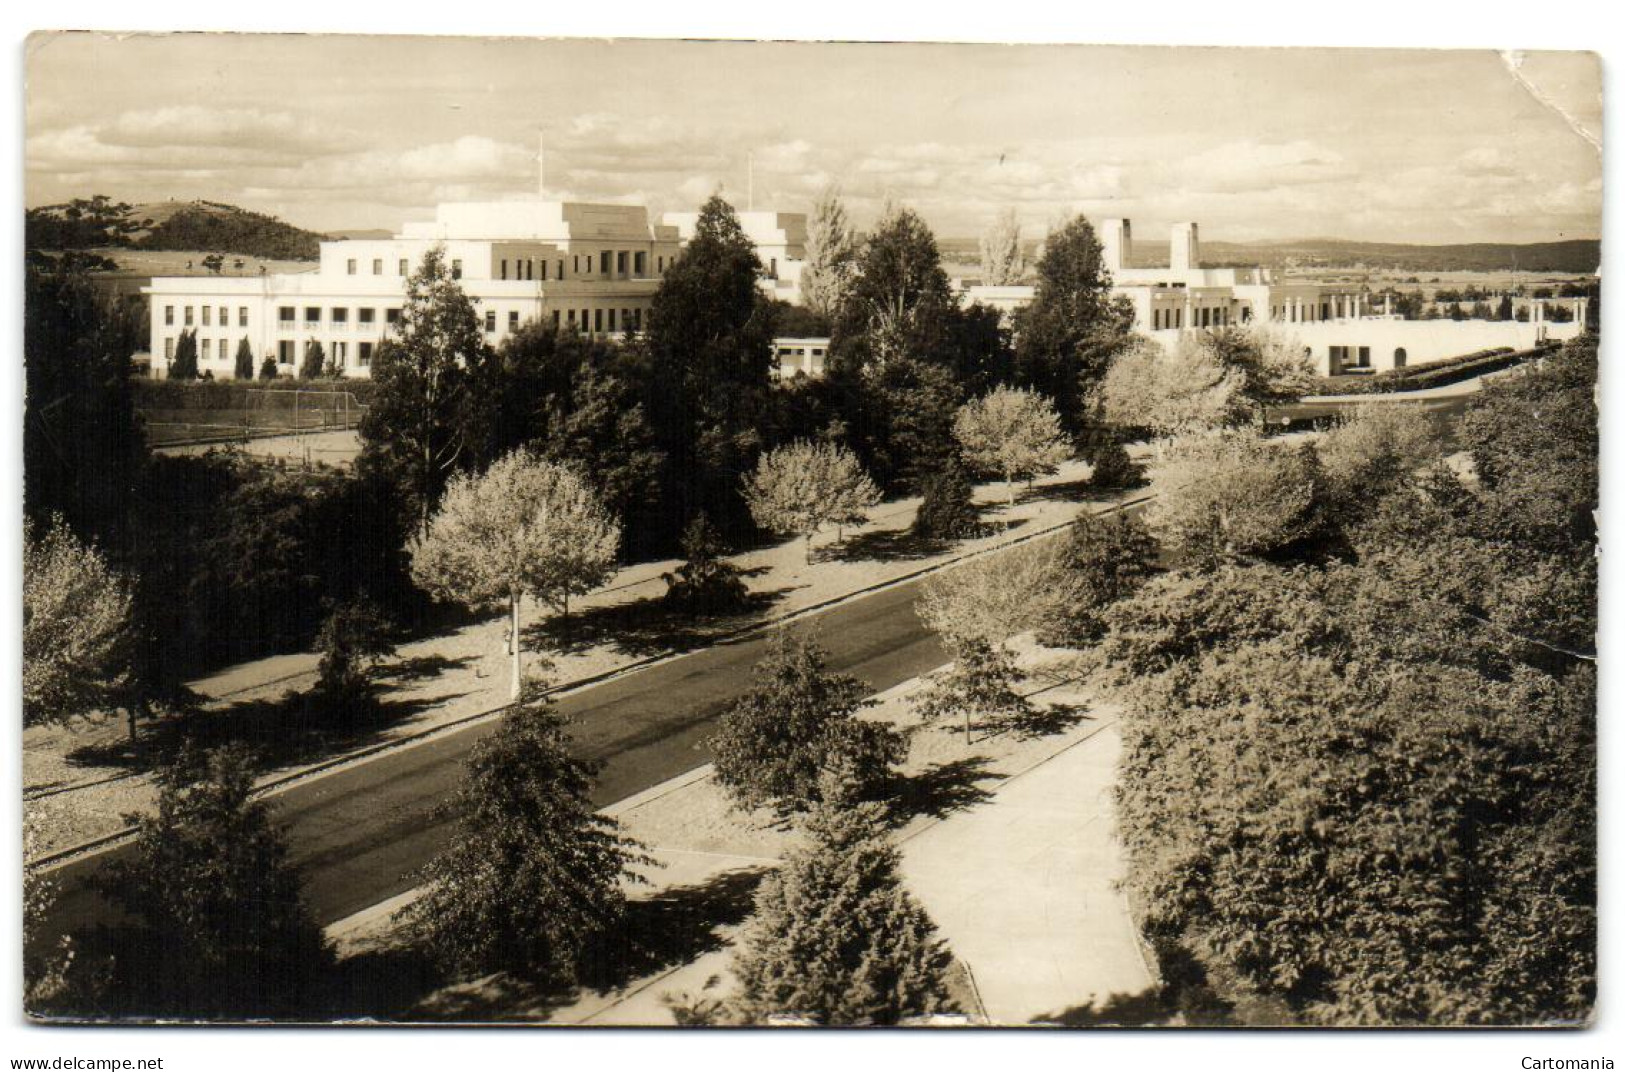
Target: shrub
(947, 511)
(214, 925)
(533, 876)
(835, 937)
(353, 640)
(705, 584)
(1224, 496)
(1113, 468)
(1306, 828)
(1107, 559)
(778, 744)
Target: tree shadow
(499, 998)
(294, 728)
(1041, 720)
(674, 926)
(671, 928)
(1074, 491)
(886, 545)
(940, 789)
(1145, 1009)
(419, 667)
(645, 627)
(381, 984)
(902, 545)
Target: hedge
(1420, 377)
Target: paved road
(359, 833)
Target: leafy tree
(1273, 366)
(214, 262)
(1066, 337)
(532, 880)
(353, 641)
(524, 525)
(832, 251)
(975, 608)
(1372, 452)
(705, 583)
(1503, 308)
(1013, 432)
(804, 487)
(982, 682)
(1456, 848)
(268, 369)
(76, 620)
(213, 924)
(947, 509)
(412, 434)
(600, 428)
(992, 598)
(1173, 390)
(899, 305)
(709, 369)
(1108, 557)
(1002, 262)
(903, 419)
(836, 938)
(1534, 441)
(315, 364)
(1221, 496)
(795, 738)
(83, 451)
(245, 360)
(183, 366)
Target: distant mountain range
(210, 226)
(1574, 255)
(204, 226)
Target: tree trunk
(1009, 488)
(513, 639)
(808, 543)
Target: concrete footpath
(1023, 890)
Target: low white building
(594, 268)
(1334, 322)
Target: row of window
(208, 315)
(338, 318)
(1200, 318)
(593, 320)
(401, 266)
(338, 353)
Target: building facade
(780, 239)
(593, 268)
(1335, 323)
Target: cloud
(232, 128)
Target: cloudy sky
(353, 132)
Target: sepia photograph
(643, 532)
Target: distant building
(592, 268)
(781, 245)
(800, 357)
(1334, 321)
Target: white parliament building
(1334, 322)
(594, 268)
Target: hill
(205, 226)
